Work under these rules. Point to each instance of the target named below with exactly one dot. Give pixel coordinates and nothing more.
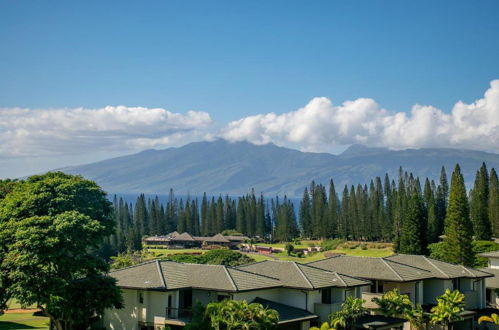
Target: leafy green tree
(458, 228)
(49, 226)
(449, 307)
(479, 205)
(351, 310)
(232, 315)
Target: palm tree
(449, 308)
(231, 315)
(394, 304)
(351, 310)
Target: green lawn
(303, 244)
(165, 252)
(23, 321)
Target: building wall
(494, 263)
(126, 318)
(433, 288)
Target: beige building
(492, 283)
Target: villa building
(492, 283)
(421, 278)
(185, 240)
(159, 293)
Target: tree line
(406, 211)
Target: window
(326, 296)
(141, 297)
(380, 287)
(350, 293)
(456, 283)
(222, 297)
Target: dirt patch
(20, 310)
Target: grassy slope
(22, 320)
(370, 252)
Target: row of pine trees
(404, 211)
(250, 215)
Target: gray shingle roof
(492, 254)
(372, 268)
(287, 314)
(302, 276)
(170, 275)
(493, 281)
(438, 269)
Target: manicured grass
(365, 253)
(303, 244)
(23, 321)
(14, 304)
(165, 252)
(258, 257)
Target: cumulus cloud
(41, 132)
(320, 125)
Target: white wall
(493, 263)
(126, 318)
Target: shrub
(363, 246)
(289, 248)
(299, 254)
(331, 244)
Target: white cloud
(42, 132)
(320, 125)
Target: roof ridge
(431, 263)
(161, 276)
(132, 266)
(450, 263)
(246, 271)
(303, 274)
(391, 268)
(230, 278)
(406, 265)
(251, 263)
(320, 260)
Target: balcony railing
(368, 297)
(182, 314)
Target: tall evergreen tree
(260, 217)
(479, 205)
(414, 228)
(204, 215)
(240, 216)
(333, 211)
(458, 227)
(494, 202)
(305, 214)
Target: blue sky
(237, 59)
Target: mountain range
(221, 167)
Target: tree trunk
(57, 323)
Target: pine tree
(494, 202)
(479, 212)
(343, 225)
(399, 214)
(305, 214)
(204, 215)
(433, 225)
(458, 227)
(333, 212)
(219, 220)
(414, 228)
(240, 216)
(260, 217)
(441, 201)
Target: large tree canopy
(50, 226)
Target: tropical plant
(394, 304)
(351, 310)
(324, 326)
(449, 307)
(232, 314)
(494, 318)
